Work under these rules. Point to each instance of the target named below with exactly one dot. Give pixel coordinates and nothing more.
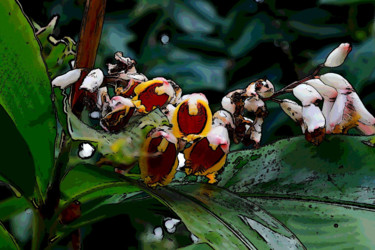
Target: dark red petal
(149, 98)
(202, 156)
(160, 165)
(117, 120)
(191, 124)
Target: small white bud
(67, 79)
(264, 89)
(338, 55)
(93, 80)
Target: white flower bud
(93, 80)
(264, 89)
(67, 79)
(227, 104)
(294, 111)
(223, 118)
(306, 94)
(338, 55)
(253, 104)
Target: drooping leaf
(58, 55)
(246, 219)
(6, 239)
(340, 169)
(85, 182)
(323, 225)
(237, 223)
(25, 91)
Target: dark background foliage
(217, 46)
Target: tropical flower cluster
(204, 138)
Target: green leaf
(340, 169)
(245, 219)
(199, 246)
(12, 206)
(57, 54)
(237, 223)
(6, 239)
(25, 91)
(85, 183)
(322, 225)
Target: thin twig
(294, 84)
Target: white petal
(158, 233)
(170, 225)
(93, 80)
(306, 94)
(86, 150)
(313, 117)
(250, 90)
(338, 55)
(181, 160)
(336, 81)
(324, 90)
(218, 136)
(267, 89)
(366, 129)
(337, 111)
(292, 109)
(366, 117)
(224, 118)
(120, 101)
(169, 111)
(252, 104)
(194, 238)
(67, 79)
(95, 115)
(227, 104)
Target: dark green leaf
(6, 239)
(321, 225)
(340, 169)
(252, 225)
(85, 182)
(25, 91)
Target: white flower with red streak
(348, 110)
(338, 55)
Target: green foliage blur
(215, 47)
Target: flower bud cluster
(250, 100)
(202, 138)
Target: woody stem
(91, 29)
